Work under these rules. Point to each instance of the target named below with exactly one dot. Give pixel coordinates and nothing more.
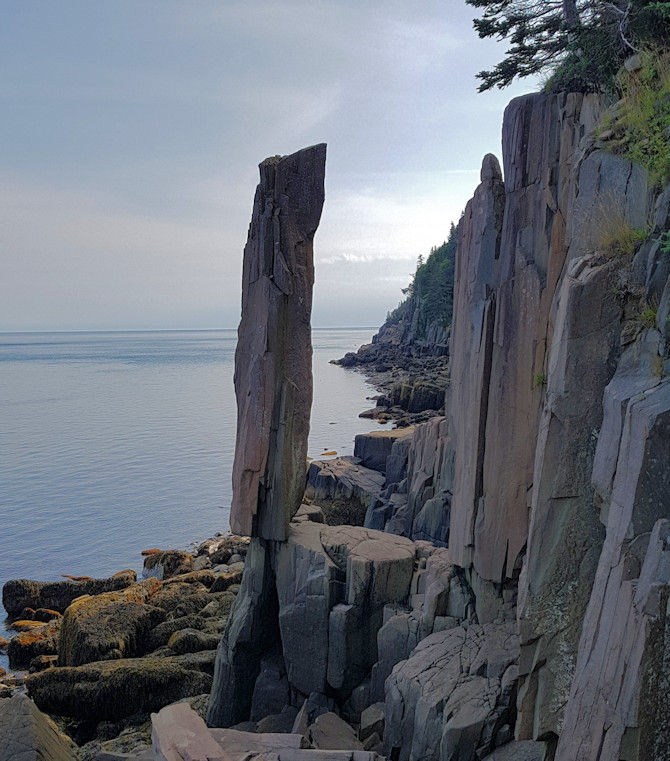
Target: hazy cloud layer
(132, 130)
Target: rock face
(28, 735)
(548, 477)
(321, 595)
(448, 700)
(273, 360)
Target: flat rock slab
(179, 734)
(343, 478)
(26, 734)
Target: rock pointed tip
(490, 168)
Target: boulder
(163, 565)
(273, 359)
(448, 698)
(112, 690)
(182, 599)
(18, 594)
(278, 722)
(343, 488)
(192, 641)
(160, 634)
(42, 640)
(108, 626)
(372, 449)
(224, 580)
(203, 576)
(372, 721)
(29, 735)
(177, 732)
(330, 732)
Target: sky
(131, 132)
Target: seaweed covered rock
(109, 626)
(28, 645)
(18, 594)
(112, 690)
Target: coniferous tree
(589, 38)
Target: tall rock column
(273, 384)
(273, 361)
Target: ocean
(111, 443)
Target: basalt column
(273, 385)
(273, 361)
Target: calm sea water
(111, 443)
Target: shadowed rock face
(273, 361)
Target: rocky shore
(100, 655)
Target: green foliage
(539, 380)
(430, 293)
(580, 44)
(641, 126)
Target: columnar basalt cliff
(553, 458)
(522, 599)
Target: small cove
(115, 442)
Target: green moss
(640, 129)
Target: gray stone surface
(444, 701)
(323, 592)
(343, 478)
(273, 360)
(620, 693)
(177, 732)
(26, 734)
(374, 448)
(330, 732)
(566, 536)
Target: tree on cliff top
(582, 41)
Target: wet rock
(169, 598)
(109, 626)
(205, 577)
(18, 594)
(163, 565)
(42, 640)
(27, 734)
(273, 360)
(160, 635)
(112, 690)
(223, 581)
(192, 641)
